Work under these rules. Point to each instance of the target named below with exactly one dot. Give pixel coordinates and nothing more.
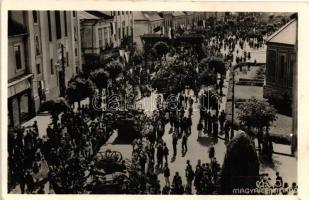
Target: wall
(13, 72)
(279, 82)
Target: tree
(99, 78)
(256, 114)
(207, 75)
(241, 165)
(55, 107)
(161, 49)
(114, 68)
(78, 89)
(217, 65)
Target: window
(127, 12)
(127, 30)
(58, 24)
(49, 27)
(282, 66)
(75, 51)
(37, 46)
(100, 33)
(17, 52)
(75, 33)
(74, 13)
(67, 58)
(123, 31)
(51, 66)
(122, 12)
(35, 17)
(38, 68)
(65, 24)
(271, 63)
(118, 12)
(292, 69)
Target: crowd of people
(62, 156)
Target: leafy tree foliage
(161, 49)
(55, 107)
(99, 78)
(241, 165)
(257, 113)
(114, 68)
(78, 89)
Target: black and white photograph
(152, 102)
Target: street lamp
(233, 101)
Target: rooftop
(178, 13)
(86, 15)
(285, 35)
(96, 15)
(146, 16)
(15, 28)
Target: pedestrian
(177, 184)
(189, 174)
(159, 155)
(175, 139)
(211, 151)
(165, 152)
(215, 130)
(166, 172)
(222, 118)
(226, 132)
(184, 143)
(199, 129)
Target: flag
(121, 52)
(127, 55)
(157, 29)
(170, 33)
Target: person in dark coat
(175, 139)
(215, 131)
(199, 129)
(222, 119)
(166, 172)
(184, 143)
(165, 152)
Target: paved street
(72, 146)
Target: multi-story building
(146, 23)
(44, 53)
(280, 62)
(179, 19)
(189, 20)
(122, 26)
(96, 31)
(167, 20)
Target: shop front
(20, 101)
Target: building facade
(96, 31)
(43, 55)
(281, 63)
(122, 27)
(146, 23)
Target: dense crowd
(66, 152)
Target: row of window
(35, 15)
(115, 13)
(278, 65)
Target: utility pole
(233, 102)
(62, 92)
